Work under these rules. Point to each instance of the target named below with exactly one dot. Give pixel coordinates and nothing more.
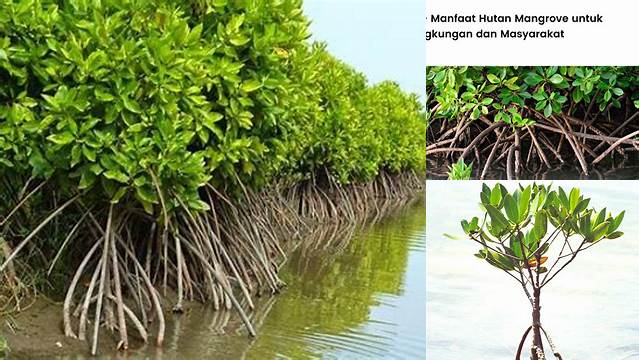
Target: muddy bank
(37, 333)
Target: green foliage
(519, 227)
(122, 99)
(4, 347)
(351, 129)
(509, 93)
(460, 171)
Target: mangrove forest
(154, 153)
(522, 122)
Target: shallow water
(362, 298)
(366, 301)
(477, 312)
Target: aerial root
(545, 143)
(225, 256)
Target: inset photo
(532, 270)
(533, 122)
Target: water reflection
(365, 300)
(475, 312)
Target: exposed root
(545, 144)
(318, 202)
(17, 276)
(225, 256)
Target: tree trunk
(536, 325)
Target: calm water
(476, 312)
(366, 301)
(357, 299)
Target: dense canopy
(122, 99)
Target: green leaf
(62, 138)
(616, 222)
(76, 153)
(511, 208)
(239, 40)
(563, 198)
(87, 179)
(118, 195)
(495, 196)
(548, 110)
(499, 260)
(584, 225)
(116, 175)
(583, 204)
(492, 78)
(485, 193)
(131, 105)
(524, 204)
(556, 79)
(541, 224)
(89, 153)
(103, 95)
(465, 227)
(474, 224)
(490, 88)
(474, 115)
(577, 95)
(544, 249)
(538, 201)
(531, 242)
(533, 79)
(607, 96)
(539, 95)
(147, 194)
(6, 162)
(516, 245)
(148, 207)
(251, 85)
(598, 232)
(210, 120)
(198, 205)
(614, 235)
(601, 216)
(496, 217)
(574, 199)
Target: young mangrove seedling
(534, 233)
(460, 171)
